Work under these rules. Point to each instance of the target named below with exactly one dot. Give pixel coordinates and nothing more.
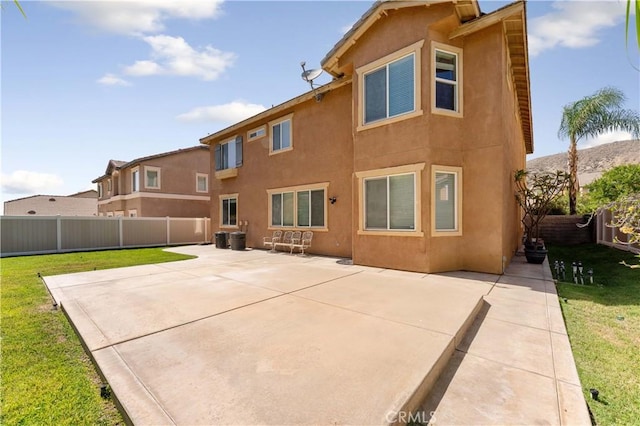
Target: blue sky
(84, 82)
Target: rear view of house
(174, 184)
(405, 160)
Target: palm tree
(589, 117)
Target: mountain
(592, 162)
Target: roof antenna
(309, 76)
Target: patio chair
(271, 241)
(285, 241)
(304, 243)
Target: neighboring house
(406, 159)
(79, 204)
(174, 184)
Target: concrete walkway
(259, 338)
(515, 365)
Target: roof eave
(465, 9)
(514, 22)
(319, 91)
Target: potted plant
(535, 193)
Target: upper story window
(152, 177)
(390, 88)
(135, 180)
(281, 135)
(257, 133)
(446, 200)
(202, 182)
(108, 186)
(99, 189)
(229, 154)
(446, 90)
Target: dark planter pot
(535, 255)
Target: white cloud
(174, 56)
(138, 17)
(227, 113)
(112, 80)
(609, 137)
(573, 24)
(26, 182)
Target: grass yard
(603, 322)
(47, 378)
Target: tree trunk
(574, 185)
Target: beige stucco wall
(485, 142)
(322, 152)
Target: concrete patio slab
(252, 337)
(256, 337)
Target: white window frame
(206, 182)
(277, 122)
(457, 229)
(257, 133)
(323, 186)
(148, 169)
(458, 84)
(100, 194)
(227, 197)
(363, 176)
(413, 49)
(108, 186)
(135, 179)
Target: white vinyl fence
(610, 236)
(21, 235)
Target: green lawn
(47, 379)
(603, 322)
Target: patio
(247, 337)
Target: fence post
(59, 233)
(168, 231)
(120, 232)
(206, 230)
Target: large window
(300, 207)
(446, 200)
(99, 189)
(152, 177)
(228, 155)
(390, 202)
(447, 79)
(281, 135)
(390, 88)
(135, 180)
(229, 210)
